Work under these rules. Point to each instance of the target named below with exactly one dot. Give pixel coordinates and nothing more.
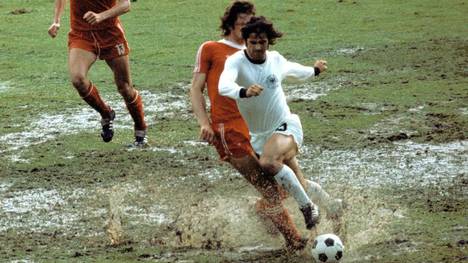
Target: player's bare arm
(58, 10)
(254, 90)
(199, 107)
(121, 7)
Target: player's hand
(254, 90)
(321, 64)
(53, 30)
(207, 134)
(93, 18)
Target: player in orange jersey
(96, 32)
(226, 129)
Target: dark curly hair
(258, 25)
(229, 18)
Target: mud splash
(230, 224)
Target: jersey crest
(272, 81)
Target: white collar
(231, 44)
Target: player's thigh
(279, 147)
(121, 68)
(79, 62)
(232, 139)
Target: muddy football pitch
(385, 129)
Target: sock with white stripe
(288, 180)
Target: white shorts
(290, 126)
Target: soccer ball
(327, 248)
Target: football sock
(288, 180)
(317, 193)
(95, 101)
(135, 108)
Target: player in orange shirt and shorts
(226, 129)
(96, 33)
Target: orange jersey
(78, 9)
(210, 60)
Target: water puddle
(311, 90)
(46, 127)
(464, 111)
(35, 210)
(4, 86)
(405, 164)
(349, 51)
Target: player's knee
(79, 82)
(270, 166)
(126, 90)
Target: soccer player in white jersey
(253, 78)
(224, 127)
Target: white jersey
(263, 113)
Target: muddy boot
(140, 139)
(107, 127)
(311, 215)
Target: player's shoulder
(214, 47)
(275, 56)
(208, 44)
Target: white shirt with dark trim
(263, 113)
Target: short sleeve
(202, 60)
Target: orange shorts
(232, 139)
(106, 44)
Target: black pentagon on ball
(315, 244)
(339, 255)
(323, 257)
(329, 242)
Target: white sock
(317, 193)
(288, 180)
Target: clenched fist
(53, 29)
(254, 90)
(321, 64)
(93, 18)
